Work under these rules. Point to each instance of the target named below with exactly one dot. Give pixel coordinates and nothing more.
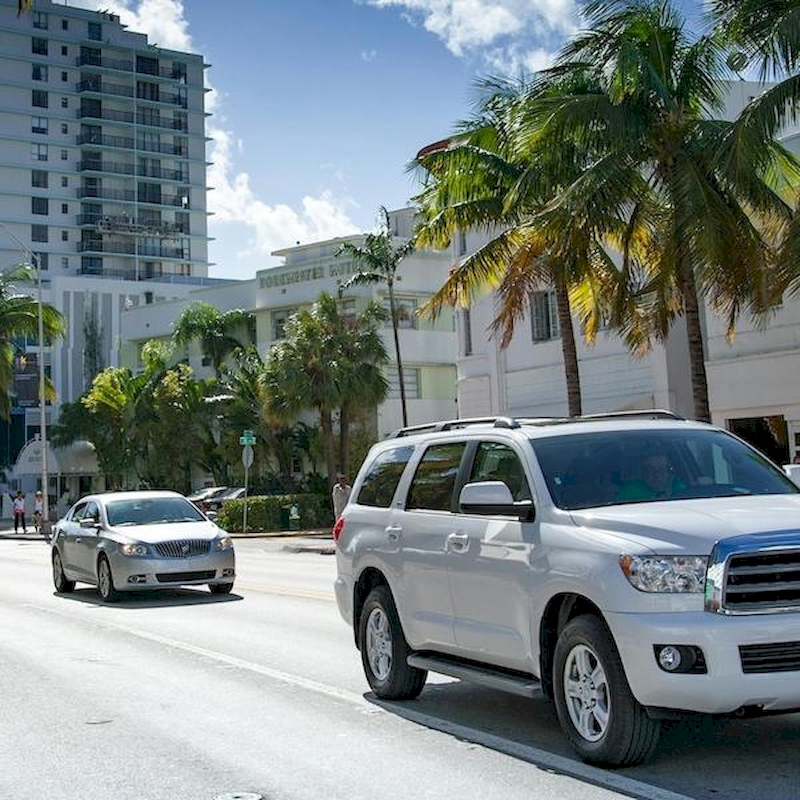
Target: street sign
(247, 456)
(247, 439)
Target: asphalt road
(196, 697)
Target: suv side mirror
(493, 498)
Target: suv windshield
(584, 470)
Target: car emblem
(185, 548)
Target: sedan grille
(182, 548)
(185, 577)
(766, 581)
(776, 657)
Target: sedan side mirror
(89, 523)
(489, 498)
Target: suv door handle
(393, 532)
(458, 543)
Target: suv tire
(595, 706)
(384, 649)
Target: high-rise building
(102, 180)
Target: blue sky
(319, 105)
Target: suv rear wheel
(595, 706)
(384, 649)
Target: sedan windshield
(151, 510)
(585, 470)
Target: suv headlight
(223, 543)
(133, 549)
(665, 573)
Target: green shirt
(631, 491)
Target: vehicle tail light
(338, 528)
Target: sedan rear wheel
(105, 583)
(63, 584)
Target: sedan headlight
(134, 550)
(223, 543)
(675, 574)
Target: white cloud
(369, 55)
(485, 27)
(232, 201)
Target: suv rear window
(380, 482)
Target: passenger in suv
(544, 556)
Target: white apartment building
(102, 182)
(754, 380)
(427, 347)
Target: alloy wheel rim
(58, 570)
(104, 578)
(379, 644)
(587, 694)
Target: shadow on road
(153, 598)
(699, 757)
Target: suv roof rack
(452, 424)
(639, 413)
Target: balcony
(119, 168)
(101, 140)
(131, 249)
(124, 65)
(101, 87)
(112, 115)
(100, 193)
(126, 224)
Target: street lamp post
(35, 260)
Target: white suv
(631, 566)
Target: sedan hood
(693, 526)
(168, 531)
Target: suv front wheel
(595, 706)
(384, 649)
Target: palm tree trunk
(326, 423)
(344, 431)
(393, 312)
(568, 347)
(697, 361)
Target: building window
(64, 76)
(64, 155)
(64, 236)
(279, 320)
(39, 178)
(38, 124)
(42, 259)
(466, 319)
(39, 98)
(38, 233)
(39, 205)
(64, 102)
(180, 121)
(146, 90)
(39, 19)
(94, 31)
(64, 24)
(39, 46)
(64, 128)
(544, 316)
(39, 152)
(39, 72)
(64, 181)
(65, 262)
(410, 383)
(64, 50)
(406, 310)
(65, 208)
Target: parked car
(632, 567)
(133, 541)
(215, 502)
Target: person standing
(340, 494)
(18, 504)
(38, 511)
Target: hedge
(271, 512)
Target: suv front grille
(763, 582)
(776, 657)
(182, 548)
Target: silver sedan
(129, 541)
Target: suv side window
(432, 486)
(380, 482)
(498, 462)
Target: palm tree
(379, 260)
(497, 175)
(19, 318)
(214, 330)
(704, 211)
(327, 363)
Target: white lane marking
(534, 755)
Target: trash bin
(294, 519)
(284, 517)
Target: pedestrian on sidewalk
(38, 511)
(340, 494)
(18, 503)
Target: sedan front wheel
(105, 582)
(63, 584)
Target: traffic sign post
(247, 440)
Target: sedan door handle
(458, 542)
(393, 532)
